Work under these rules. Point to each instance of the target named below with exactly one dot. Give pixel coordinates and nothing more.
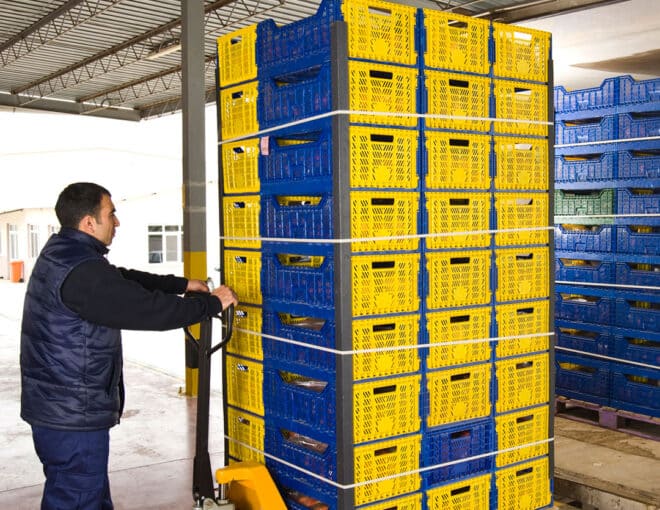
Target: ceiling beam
(542, 8)
(170, 106)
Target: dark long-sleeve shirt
(128, 299)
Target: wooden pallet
(608, 417)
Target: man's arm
(166, 283)
(100, 294)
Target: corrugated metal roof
(90, 56)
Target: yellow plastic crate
(519, 211)
(247, 342)
(238, 110)
(524, 486)
(242, 271)
(375, 87)
(240, 219)
(522, 163)
(522, 382)
(458, 278)
(412, 502)
(246, 428)
(522, 273)
(522, 319)
(385, 284)
(387, 215)
(381, 31)
(517, 429)
(521, 53)
(237, 56)
(457, 95)
(456, 42)
(520, 103)
(471, 493)
(458, 213)
(240, 164)
(457, 160)
(396, 331)
(245, 381)
(385, 408)
(386, 458)
(458, 326)
(458, 394)
(383, 157)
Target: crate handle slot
(382, 75)
(523, 146)
(459, 260)
(236, 40)
(243, 421)
(239, 205)
(237, 95)
(459, 83)
(642, 380)
(383, 327)
(525, 471)
(460, 434)
(241, 313)
(301, 381)
(644, 342)
(574, 367)
(522, 36)
(385, 264)
(525, 256)
(460, 377)
(524, 364)
(287, 141)
(524, 201)
(456, 23)
(382, 138)
(242, 368)
(521, 91)
(382, 201)
(458, 142)
(525, 311)
(385, 451)
(240, 259)
(385, 389)
(307, 74)
(289, 201)
(381, 11)
(525, 419)
(238, 150)
(579, 333)
(461, 490)
(459, 318)
(305, 442)
(459, 201)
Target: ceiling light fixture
(165, 49)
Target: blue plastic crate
(639, 311)
(644, 271)
(582, 375)
(584, 267)
(586, 100)
(306, 328)
(585, 238)
(452, 443)
(298, 274)
(297, 216)
(638, 240)
(643, 92)
(587, 168)
(636, 389)
(581, 336)
(583, 305)
(642, 165)
(297, 159)
(638, 125)
(642, 201)
(302, 394)
(637, 345)
(299, 489)
(587, 130)
(302, 446)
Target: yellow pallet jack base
(250, 486)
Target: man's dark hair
(78, 200)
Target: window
(165, 243)
(33, 241)
(13, 242)
(52, 229)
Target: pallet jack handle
(202, 483)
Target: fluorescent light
(165, 49)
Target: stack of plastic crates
(377, 379)
(607, 205)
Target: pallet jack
(242, 485)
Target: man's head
(88, 207)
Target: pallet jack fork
(242, 485)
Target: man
(71, 355)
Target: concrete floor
(152, 449)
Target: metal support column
(194, 171)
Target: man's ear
(87, 224)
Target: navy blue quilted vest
(70, 368)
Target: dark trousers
(76, 468)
